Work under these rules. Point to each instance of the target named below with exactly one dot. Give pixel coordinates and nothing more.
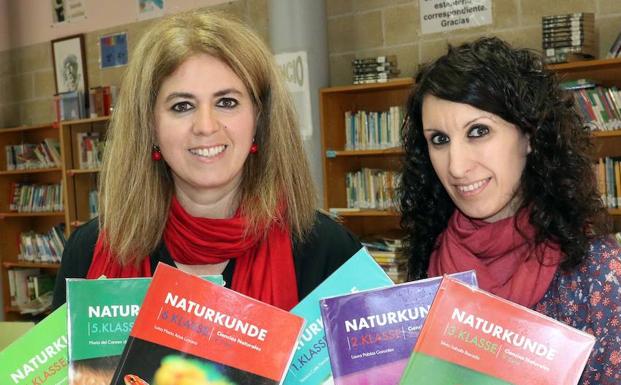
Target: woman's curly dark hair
(558, 182)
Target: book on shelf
(27, 156)
(615, 48)
(372, 189)
(25, 197)
(371, 334)
(102, 100)
(42, 248)
(40, 355)
(311, 364)
(374, 69)
(609, 181)
(93, 204)
(70, 105)
(373, 130)
(99, 322)
(472, 337)
(21, 289)
(90, 149)
(568, 37)
(190, 327)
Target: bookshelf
(608, 73)
(75, 182)
(337, 162)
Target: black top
(322, 251)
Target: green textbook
(101, 314)
(39, 357)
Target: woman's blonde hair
(135, 192)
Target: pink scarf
(506, 261)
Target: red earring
(254, 148)
(156, 155)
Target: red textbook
(190, 330)
(472, 337)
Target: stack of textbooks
(384, 248)
(356, 328)
(568, 37)
(374, 69)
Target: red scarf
(506, 262)
(264, 267)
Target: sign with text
(294, 68)
(448, 15)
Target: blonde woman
(204, 169)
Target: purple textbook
(371, 334)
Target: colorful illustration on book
(473, 337)
(371, 334)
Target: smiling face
(478, 157)
(204, 124)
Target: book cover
(371, 334)
(39, 356)
(311, 363)
(195, 331)
(99, 321)
(472, 337)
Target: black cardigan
(322, 251)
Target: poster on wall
(113, 50)
(148, 9)
(294, 67)
(69, 64)
(66, 11)
(449, 15)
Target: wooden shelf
(75, 194)
(387, 151)
(366, 213)
(88, 120)
(25, 129)
(391, 84)
(586, 65)
(614, 212)
(30, 171)
(40, 265)
(32, 214)
(78, 171)
(606, 134)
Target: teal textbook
(101, 314)
(311, 363)
(39, 357)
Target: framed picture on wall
(69, 64)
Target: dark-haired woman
(498, 177)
